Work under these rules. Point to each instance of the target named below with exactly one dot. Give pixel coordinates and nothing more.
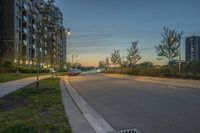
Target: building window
(18, 36)
(18, 9)
(18, 22)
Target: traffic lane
(151, 108)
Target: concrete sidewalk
(157, 80)
(8, 87)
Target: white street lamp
(67, 33)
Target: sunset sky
(100, 26)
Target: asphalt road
(151, 108)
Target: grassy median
(5, 77)
(31, 110)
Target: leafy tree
(146, 64)
(133, 55)
(169, 47)
(115, 57)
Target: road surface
(151, 108)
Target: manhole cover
(133, 130)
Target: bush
(7, 70)
(189, 71)
(8, 64)
(32, 70)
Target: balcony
(34, 37)
(25, 31)
(24, 42)
(34, 26)
(25, 19)
(24, 11)
(33, 46)
(25, 6)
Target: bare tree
(115, 57)
(169, 47)
(133, 55)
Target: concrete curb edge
(94, 119)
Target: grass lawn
(31, 110)
(4, 77)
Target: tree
(146, 64)
(115, 57)
(133, 55)
(169, 47)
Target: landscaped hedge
(32, 70)
(7, 70)
(22, 70)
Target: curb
(76, 120)
(94, 119)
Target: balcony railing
(24, 42)
(25, 30)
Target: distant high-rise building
(192, 48)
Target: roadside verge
(164, 81)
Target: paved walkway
(165, 81)
(8, 87)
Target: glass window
(18, 9)
(18, 35)
(18, 22)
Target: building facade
(32, 32)
(192, 48)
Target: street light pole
(67, 33)
(179, 62)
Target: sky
(100, 26)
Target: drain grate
(133, 130)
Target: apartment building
(192, 48)
(31, 32)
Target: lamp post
(179, 60)
(67, 33)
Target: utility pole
(72, 60)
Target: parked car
(74, 72)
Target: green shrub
(7, 70)
(8, 64)
(32, 70)
(188, 71)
